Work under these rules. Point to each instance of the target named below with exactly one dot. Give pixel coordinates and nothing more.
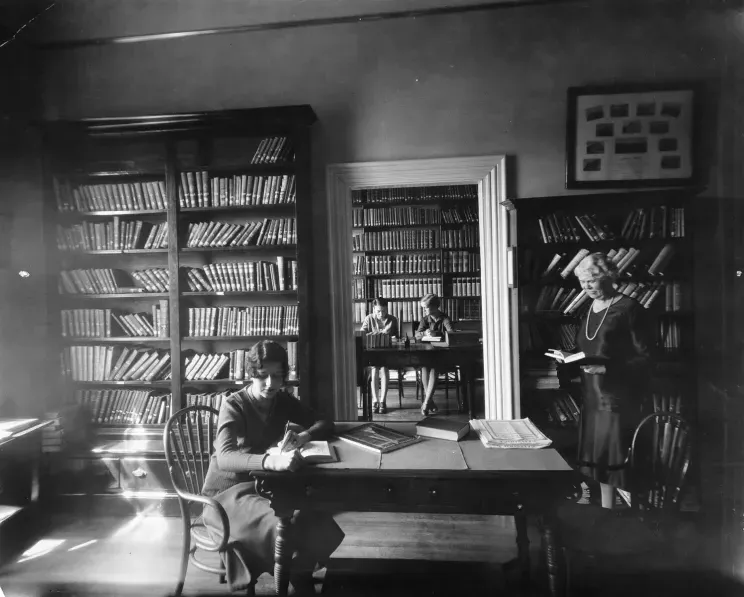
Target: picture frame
(630, 136)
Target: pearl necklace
(591, 309)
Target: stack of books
(517, 433)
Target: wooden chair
(188, 440)
(657, 463)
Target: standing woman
(433, 323)
(250, 421)
(615, 333)
(380, 321)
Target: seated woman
(380, 321)
(433, 323)
(250, 421)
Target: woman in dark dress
(251, 421)
(614, 338)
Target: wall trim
(489, 173)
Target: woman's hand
(594, 369)
(286, 461)
(294, 440)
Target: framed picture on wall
(631, 136)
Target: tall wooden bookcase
(225, 197)
(547, 234)
(410, 241)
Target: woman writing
(433, 323)
(250, 421)
(377, 322)
(615, 378)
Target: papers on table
(517, 433)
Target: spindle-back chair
(188, 440)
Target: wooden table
(435, 476)
(422, 354)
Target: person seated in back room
(380, 321)
(433, 323)
(250, 421)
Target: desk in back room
(420, 354)
(435, 476)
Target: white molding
(489, 173)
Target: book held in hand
(573, 357)
(313, 452)
(439, 428)
(377, 438)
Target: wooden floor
(409, 408)
(140, 556)
(394, 555)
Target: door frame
(501, 385)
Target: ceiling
(78, 21)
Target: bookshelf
(650, 235)
(178, 241)
(410, 241)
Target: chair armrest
(207, 501)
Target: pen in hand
(286, 441)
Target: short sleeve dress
(252, 520)
(612, 402)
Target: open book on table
(563, 356)
(314, 452)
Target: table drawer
(145, 474)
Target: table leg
(283, 555)
(554, 560)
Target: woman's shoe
(375, 407)
(383, 409)
(433, 407)
(425, 409)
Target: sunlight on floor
(91, 542)
(40, 548)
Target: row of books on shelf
(410, 311)
(197, 189)
(415, 194)
(417, 263)
(143, 364)
(115, 363)
(116, 235)
(397, 287)
(639, 224)
(279, 231)
(466, 237)
(244, 276)
(113, 281)
(466, 286)
(275, 320)
(412, 216)
(115, 323)
(233, 365)
(274, 150)
(405, 215)
(669, 336)
(563, 410)
(560, 299)
(121, 196)
(377, 340)
(125, 407)
(232, 276)
(632, 260)
(391, 240)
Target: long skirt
(604, 441)
(315, 535)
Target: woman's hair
(598, 265)
(430, 300)
(380, 302)
(264, 352)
